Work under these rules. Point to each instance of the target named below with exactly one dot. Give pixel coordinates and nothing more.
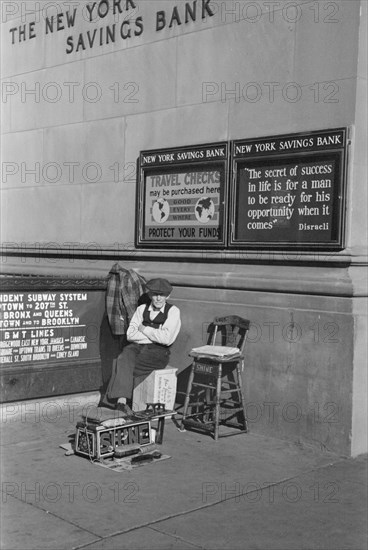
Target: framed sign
(182, 196)
(289, 191)
(51, 335)
(48, 326)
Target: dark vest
(158, 320)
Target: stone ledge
(321, 280)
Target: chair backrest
(232, 331)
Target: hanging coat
(124, 288)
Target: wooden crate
(157, 387)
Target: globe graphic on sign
(204, 210)
(160, 210)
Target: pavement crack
(177, 537)
(204, 506)
(48, 512)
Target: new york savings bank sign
(127, 23)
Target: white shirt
(165, 334)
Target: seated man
(151, 332)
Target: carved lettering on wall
(103, 22)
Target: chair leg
(187, 396)
(240, 386)
(217, 404)
(207, 412)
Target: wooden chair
(214, 394)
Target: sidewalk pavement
(243, 492)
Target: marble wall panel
(108, 218)
(8, 89)
(90, 152)
(55, 215)
(324, 48)
(175, 127)
(222, 57)
(290, 109)
(45, 98)
(22, 159)
(133, 81)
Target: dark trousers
(135, 360)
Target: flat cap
(159, 285)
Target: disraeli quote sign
(288, 191)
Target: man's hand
(141, 328)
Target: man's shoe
(124, 410)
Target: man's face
(158, 300)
